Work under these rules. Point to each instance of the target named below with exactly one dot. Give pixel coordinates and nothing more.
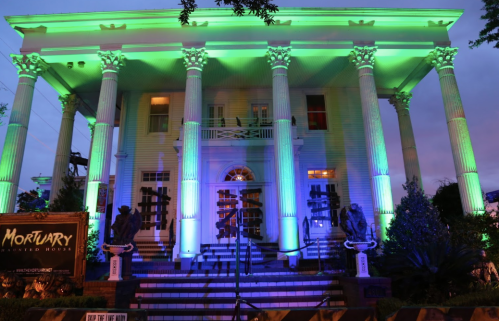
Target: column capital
(91, 127)
(195, 58)
(69, 103)
(279, 57)
(111, 61)
(31, 65)
(401, 100)
(363, 57)
(442, 58)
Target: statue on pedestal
(353, 223)
(124, 229)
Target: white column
(61, 164)
(29, 68)
(401, 101)
(121, 156)
(279, 59)
(363, 59)
(91, 128)
(462, 151)
(190, 224)
(100, 159)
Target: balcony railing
(236, 129)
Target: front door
(153, 206)
(249, 200)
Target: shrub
(14, 309)
(429, 274)
(481, 298)
(387, 306)
(416, 223)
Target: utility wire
(38, 90)
(112, 160)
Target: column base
(185, 263)
(365, 292)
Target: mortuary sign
(34, 243)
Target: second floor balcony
(237, 129)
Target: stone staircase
(152, 251)
(227, 252)
(210, 294)
(207, 290)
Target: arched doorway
(240, 190)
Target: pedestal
(365, 292)
(115, 269)
(362, 266)
(117, 293)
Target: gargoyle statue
(353, 223)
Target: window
(316, 112)
(261, 112)
(156, 176)
(215, 116)
(239, 174)
(158, 119)
(321, 173)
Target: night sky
(477, 73)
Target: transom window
(159, 114)
(239, 174)
(321, 173)
(316, 112)
(156, 176)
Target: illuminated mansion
(228, 112)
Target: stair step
(267, 280)
(230, 300)
(329, 288)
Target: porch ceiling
(168, 74)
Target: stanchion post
(238, 238)
(319, 256)
(250, 244)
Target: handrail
(233, 122)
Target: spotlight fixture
(69, 65)
(81, 64)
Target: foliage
(93, 249)
(31, 201)
(14, 309)
(3, 109)
(416, 223)
(260, 8)
(481, 298)
(478, 232)
(430, 273)
(490, 33)
(447, 200)
(69, 198)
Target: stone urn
(116, 261)
(361, 257)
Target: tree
(31, 201)
(478, 232)
(491, 32)
(447, 200)
(3, 109)
(260, 8)
(416, 223)
(69, 198)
